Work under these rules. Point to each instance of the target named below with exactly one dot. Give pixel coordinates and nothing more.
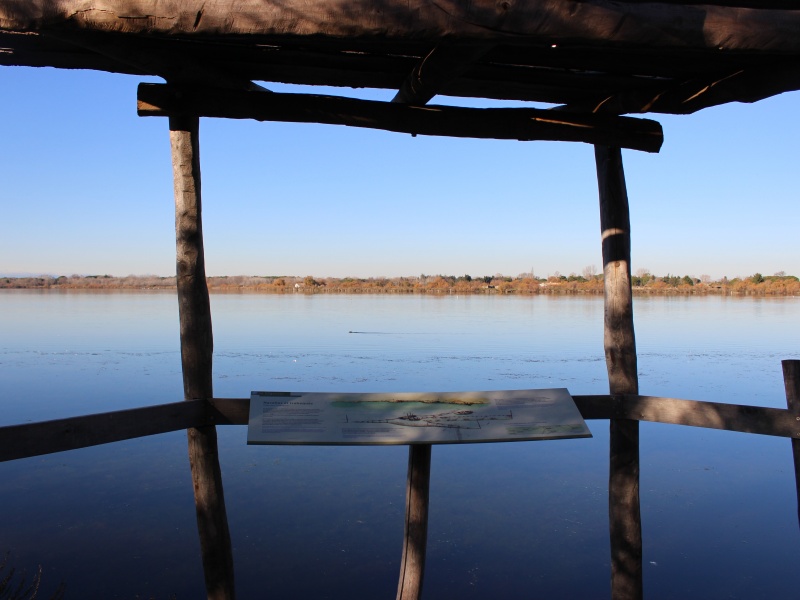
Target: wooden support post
(791, 381)
(620, 348)
(415, 534)
(418, 479)
(196, 357)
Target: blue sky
(87, 189)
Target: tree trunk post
(791, 381)
(620, 349)
(415, 532)
(196, 357)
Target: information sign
(413, 418)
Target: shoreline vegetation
(589, 282)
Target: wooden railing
(47, 437)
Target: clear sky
(87, 189)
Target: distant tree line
(588, 282)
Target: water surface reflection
(518, 520)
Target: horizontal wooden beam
(158, 100)
(604, 79)
(594, 407)
(771, 4)
(714, 27)
(695, 413)
(741, 85)
(229, 411)
(46, 437)
(175, 66)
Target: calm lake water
(523, 520)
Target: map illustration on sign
(408, 418)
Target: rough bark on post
(415, 534)
(620, 348)
(791, 381)
(196, 358)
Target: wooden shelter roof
(583, 56)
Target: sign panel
(413, 418)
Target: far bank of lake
(590, 283)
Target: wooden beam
(607, 79)
(196, 357)
(594, 406)
(445, 63)
(791, 380)
(157, 100)
(685, 97)
(694, 413)
(59, 435)
(229, 411)
(634, 24)
(175, 66)
(620, 349)
(761, 4)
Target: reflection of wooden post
(620, 347)
(415, 534)
(791, 381)
(196, 352)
